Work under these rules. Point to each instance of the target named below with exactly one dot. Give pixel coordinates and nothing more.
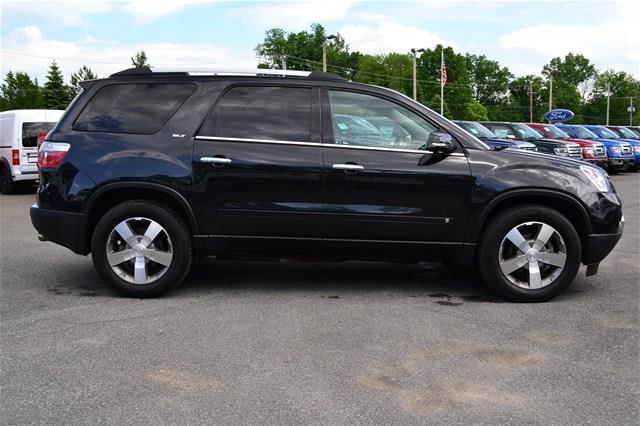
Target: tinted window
(366, 120)
(500, 130)
(30, 132)
(255, 112)
(132, 108)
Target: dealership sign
(558, 115)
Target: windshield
(603, 132)
(627, 133)
(555, 132)
(584, 133)
(526, 132)
(477, 130)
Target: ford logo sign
(558, 115)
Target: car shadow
(333, 279)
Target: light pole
(608, 100)
(324, 51)
(415, 80)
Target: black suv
(148, 170)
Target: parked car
(592, 152)
(604, 132)
(619, 154)
(485, 135)
(147, 170)
(634, 129)
(19, 131)
(519, 131)
(624, 132)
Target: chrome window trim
(326, 145)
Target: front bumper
(600, 245)
(64, 228)
(600, 162)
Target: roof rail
(261, 72)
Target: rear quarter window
(31, 130)
(141, 108)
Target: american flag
(443, 74)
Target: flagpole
(441, 85)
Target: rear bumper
(600, 245)
(64, 228)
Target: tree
(303, 51)
(517, 109)
(57, 95)
(84, 73)
(475, 111)
(20, 92)
(394, 70)
(489, 81)
(457, 92)
(572, 79)
(140, 60)
(622, 86)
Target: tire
(148, 245)
(7, 185)
(498, 253)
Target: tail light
(15, 157)
(41, 137)
(51, 154)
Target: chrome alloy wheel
(532, 255)
(139, 250)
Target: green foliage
(84, 73)
(489, 81)
(57, 94)
(303, 51)
(622, 86)
(140, 60)
(457, 92)
(20, 92)
(475, 111)
(517, 107)
(394, 70)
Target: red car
(592, 151)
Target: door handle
(348, 167)
(216, 160)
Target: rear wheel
(529, 254)
(7, 185)
(141, 249)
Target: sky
(521, 35)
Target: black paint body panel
(286, 199)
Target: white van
(19, 130)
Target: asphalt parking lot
(292, 343)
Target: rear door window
(263, 113)
(30, 131)
(141, 108)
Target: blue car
(604, 132)
(620, 153)
(488, 137)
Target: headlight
(615, 149)
(636, 148)
(597, 177)
(561, 151)
(589, 150)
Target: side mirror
(440, 142)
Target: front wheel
(529, 253)
(141, 249)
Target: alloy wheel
(139, 250)
(532, 255)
